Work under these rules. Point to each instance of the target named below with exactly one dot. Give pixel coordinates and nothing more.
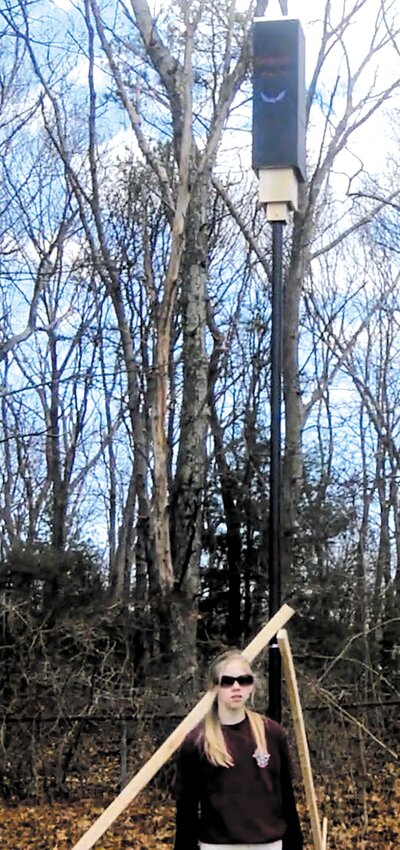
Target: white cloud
(80, 71)
(121, 144)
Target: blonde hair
(214, 743)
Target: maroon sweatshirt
(243, 804)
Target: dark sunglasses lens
(228, 681)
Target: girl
(233, 782)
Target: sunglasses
(228, 681)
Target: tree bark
(188, 485)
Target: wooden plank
(301, 737)
(268, 631)
(158, 759)
(325, 834)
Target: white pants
(274, 845)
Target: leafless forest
(135, 267)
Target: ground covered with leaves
(146, 825)
(370, 821)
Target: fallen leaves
(148, 824)
(357, 819)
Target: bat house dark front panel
(279, 96)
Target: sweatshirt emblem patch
(262, 758)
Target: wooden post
(301, 738)
(158, 759)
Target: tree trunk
(292, 473)
(188, 487)
(233, 521)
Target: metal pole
(274, 540)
